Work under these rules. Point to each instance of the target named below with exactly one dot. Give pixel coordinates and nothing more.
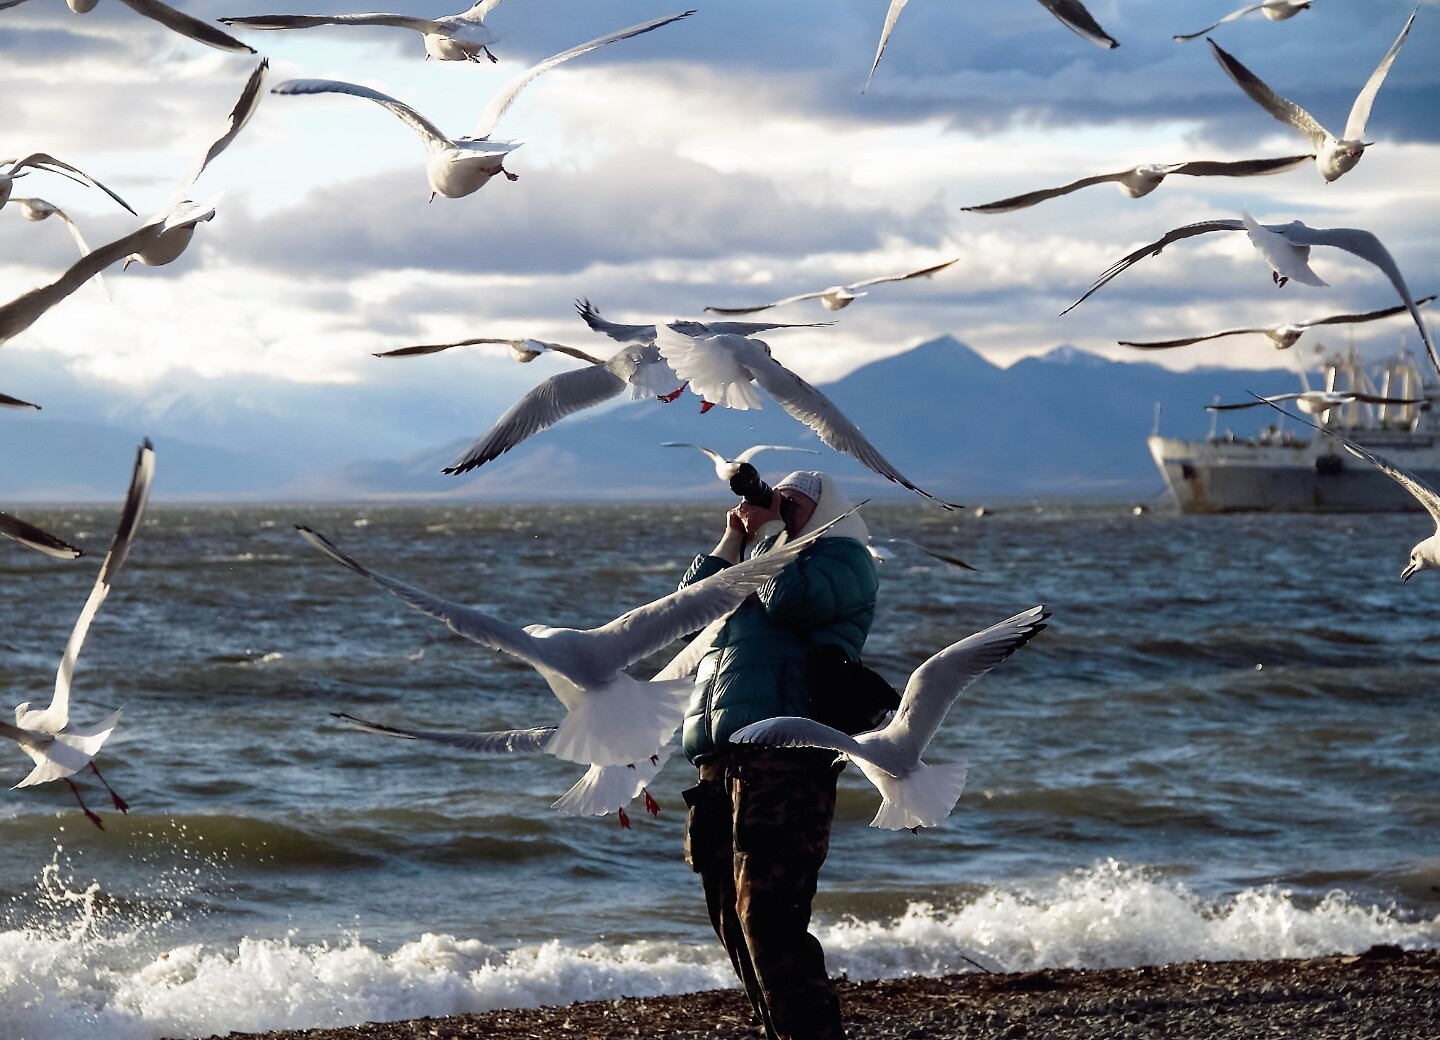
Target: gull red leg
(120, 803)
(85, 808)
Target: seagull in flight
(35, 210)
(1286, 247)
(725, 468)
(611, 718)
(1334, 156)
(32, 537)
(523, 350)
(453, 37)
(912, 793)
(460, 166)
(1282, 335)
(837, 297)
(1275, 10)
(13, 169)
(623, 333)
(882, 551)
(1138, 181)
(58, 749)
(184, 24)
(1317, 402)
(722, 368)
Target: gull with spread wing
(1317, 402)
(1275, 10)
(611, 718)
(58, 749)
(523, 349)
(1282, 335)
(14, 169)
(453, 37)
(177, 21)
(722, 368)
(725, 468)
(457, 167)
(622, 333)
(837, 297)
(1334, 156)
(36, 210)
(1142, 180)
(1286, 247)
(912, 793)
(32, 537)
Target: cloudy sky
(730, 158)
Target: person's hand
(734, 522)
(753, 517)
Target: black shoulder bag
(845, 694)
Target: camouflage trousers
(757, 832)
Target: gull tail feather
(68, 753)
(623, 723)
(606, 789)
(922, 798)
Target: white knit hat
(808, 482)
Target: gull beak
(1408, 571)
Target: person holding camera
(758, 824)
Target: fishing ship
(1287, 467)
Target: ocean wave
(73, 980)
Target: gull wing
(1164, 344)
(1360, 111)
(742, 328)
(953, 560)
(435, 348)
(934, 686)
(240, 114)
(505, 741)
(502, 101)
(922, 273)
(562, 394)
(49, 209)
(712, 366)
(1154, 249)
(653, 626)
(1262, 95)
(473, 624)
(31, 742)
(23, 311)
(1241, 167)
(185, 25)
(819, 413)
(1366, 246)
(1252, 404)
(477, 12)
(307, 21)
(41, 161)
(431, 134)
(57, 716)
(6, 401)
(713, 456)
(32, 537)
(1228, 18)
(797, 731)
(1030, 198)
(1346, 319)
(767, 306)
(891, 16)
(750, 453)
(614, 329)
(66, 753)
(1074, 16)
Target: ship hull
(1230, 476)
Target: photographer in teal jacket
(758, 827)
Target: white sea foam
(69, 982)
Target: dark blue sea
(1226, 745)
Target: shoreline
(1384, 992)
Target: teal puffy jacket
(756, 668)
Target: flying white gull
(638, 366)
(1317, 402)
(1142, 180)
(32, 537)
(176, 223)
(1072, 15)
(58, 749)
(13, 169)
(1426, 553)
(523, 349)
(837, 297)
(1282, 334)
(453, 37)
(1334, 155)
(725, 468)
(611, 718)
(457, 167)
(184, 24)
(721, 369)
(881, 550)
(35, 210)
(1286, 247)
(1275, 10)
(912, 793)
(623, 333)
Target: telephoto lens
(747, 484)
